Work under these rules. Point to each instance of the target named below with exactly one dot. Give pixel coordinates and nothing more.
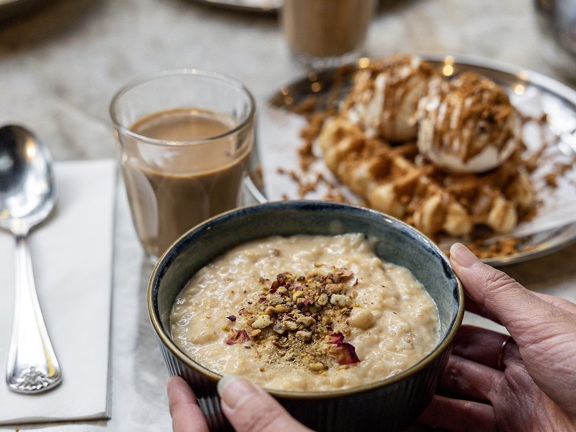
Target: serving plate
(534, 94)
(261, 6)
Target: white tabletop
(61, 64)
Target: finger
(458, 415)
(509, 353)
(470, 305)
(568, 306)
(469, 379)
(249, 408)
(498, 295)
(184, 409)
(480, 345)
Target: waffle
(347, 156)
(401, 119)
(396, 179)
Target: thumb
(250, 408)
(500, 297)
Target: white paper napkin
(72, 261)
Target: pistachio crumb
(301, 319)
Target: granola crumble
(300, 319)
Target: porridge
(305, 313)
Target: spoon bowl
(27, 186)
(27, 197)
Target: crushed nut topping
(300, 319)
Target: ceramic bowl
(389, 404)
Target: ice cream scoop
(384, 96)
(468, 125)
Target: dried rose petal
(303, 302)
(344, 352)
(335, 338)
(237, 336)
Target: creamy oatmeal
(305, 313)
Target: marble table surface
(61, 63)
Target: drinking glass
(186, 138)
(326, 33)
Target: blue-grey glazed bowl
(385, 405)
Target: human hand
(494, 382)
(247, 407)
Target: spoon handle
(32, 364)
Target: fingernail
(233, 389)
(462, 255)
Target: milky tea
(324, 33)
(171, 194)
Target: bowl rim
(432, 356)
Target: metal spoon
(27, 197)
